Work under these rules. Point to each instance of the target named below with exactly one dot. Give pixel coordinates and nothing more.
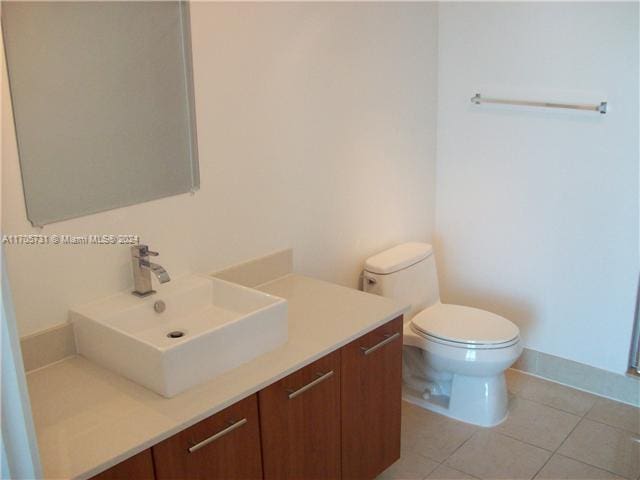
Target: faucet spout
(158, 270)
(142, 269)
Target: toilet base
(480, 401)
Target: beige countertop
(89, 419)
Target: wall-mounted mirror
(103, 104)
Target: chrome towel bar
(602, 108)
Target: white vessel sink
(222, 324)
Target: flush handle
(221, 433)
(388, 339)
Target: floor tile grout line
(553, 452)
(459, 447)
(538, 446)
(519, 395)
(552, 406)
(457, 469)
(524, 441)
(581, 416)
(599, 396)
(490, 429)
(620, 429)
(543, 465)
(437, 466)
(594, 466)
(558, 448)
(583, 461)
(589, 411)
(567, 437)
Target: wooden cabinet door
(300, 422)
(223, 446)
(371, 400)
(139, 466)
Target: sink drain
(175, 334)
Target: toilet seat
(465, 327)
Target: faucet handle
(143, 251)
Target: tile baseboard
(47, 346)
(623, 388)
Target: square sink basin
(193, 329)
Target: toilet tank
(406, 273)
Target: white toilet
(454, 357)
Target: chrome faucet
(142, 269)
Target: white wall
(316, 127)
(537, 211)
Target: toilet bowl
(454, 357)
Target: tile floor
(553, 432)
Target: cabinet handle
(221, 433)
(388, 339)
(321, 378)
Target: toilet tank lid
(398, 257)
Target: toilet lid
(469, 325)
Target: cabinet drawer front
(139, 466)
(223, 446)
(387, 336)
(371, 401)
(300, 421)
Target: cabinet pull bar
(321, 378)
(389, 338)
(216, 436)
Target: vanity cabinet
(223, 446)
(338, 417)
(300, 423)
(371, 379)
(139, 466)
